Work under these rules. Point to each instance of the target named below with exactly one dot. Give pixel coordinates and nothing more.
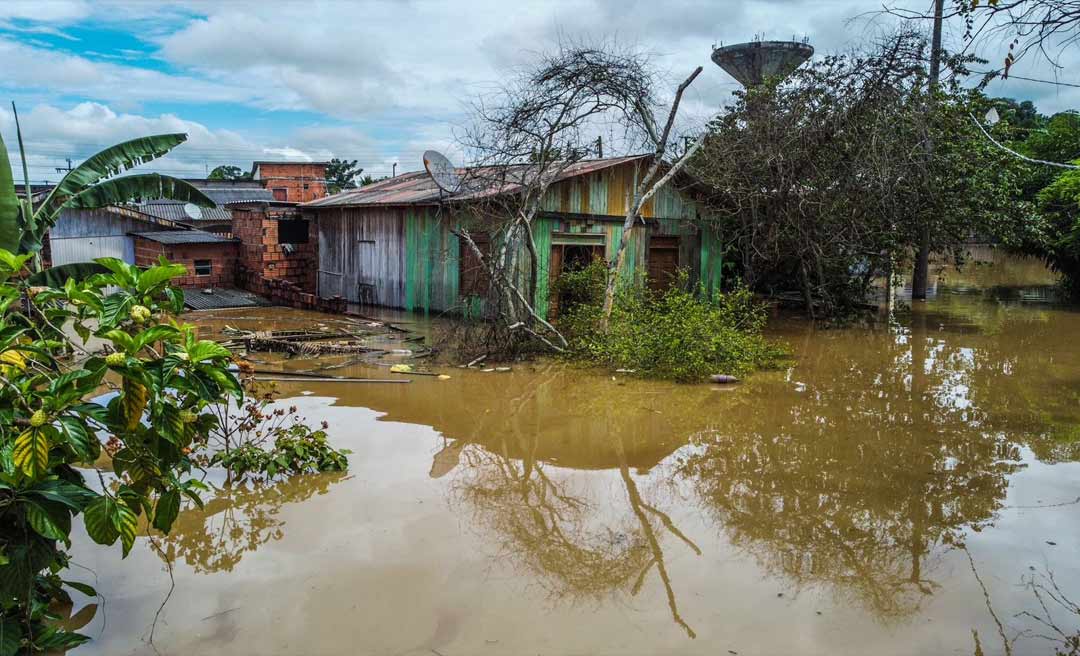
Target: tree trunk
(921, 276)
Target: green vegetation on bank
(681, 333)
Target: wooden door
(663, 262)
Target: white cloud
(53, 134)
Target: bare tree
(530, 135)
(1046, 27)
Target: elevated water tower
(756, 61)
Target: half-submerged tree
(528, 136)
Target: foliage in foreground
(170, 385)
(253, 440)
(682, 334)
(167, 377)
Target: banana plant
(92, 184)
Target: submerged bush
(682, 334)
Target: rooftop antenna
(441, 171)
(756, 61)
(193, 211)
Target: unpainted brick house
(276, 243)
(209, 258)
(294, 182)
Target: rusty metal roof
(417, 187)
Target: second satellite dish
(441, 171)
(193, 211)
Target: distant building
(295, 182)
(227, 194)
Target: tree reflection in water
(550, 531)
(238, 519)
(554, 532)
(859, 477)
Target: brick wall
(261, 254)
(223, 261)
(293, 177)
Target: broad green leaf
(116, 309)
(123, 341)
(207, 350)
(49, 521)
(158, 274)
(135, 188)
(87, 590)
(155, 334)
(168, 507)
(31, 453)
(126, 523)
(11, 634)
(98, 520)
(109, 162)
(84, 441)
(58, 275)
(124, 272)
(69, 494)
(10, 228)
(133, 397)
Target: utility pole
(394, 174)
(600, 147)
(60, 169)
(920, 278)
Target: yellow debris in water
(401, 368)
(444, 377)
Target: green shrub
(681, 334)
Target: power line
(1028, 79)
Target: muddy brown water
(891, 492)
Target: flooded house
(396, 243)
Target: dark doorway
(569, 257)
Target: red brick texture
(266, 268)
(299, 181)
(222, 258)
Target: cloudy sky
(374, 81)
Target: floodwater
(894, 491)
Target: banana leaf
(130, 188)
(10, 232)
(109, 162)
(58, 275)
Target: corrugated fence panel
(85, 249)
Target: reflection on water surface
(829, 508)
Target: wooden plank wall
(362, 246)
(431, 261)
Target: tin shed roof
(417, 187)
(174, 237)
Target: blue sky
(378, 82)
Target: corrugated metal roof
(417, 188)
(173, 237)
(197, 299)
(174, 211)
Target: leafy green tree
(341, 174)
(92, 184)
(229, 172)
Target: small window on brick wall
(203, 267)
(280, 193)
(292, 231)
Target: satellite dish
(992, 117)
(193, 211)
(441, 171)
